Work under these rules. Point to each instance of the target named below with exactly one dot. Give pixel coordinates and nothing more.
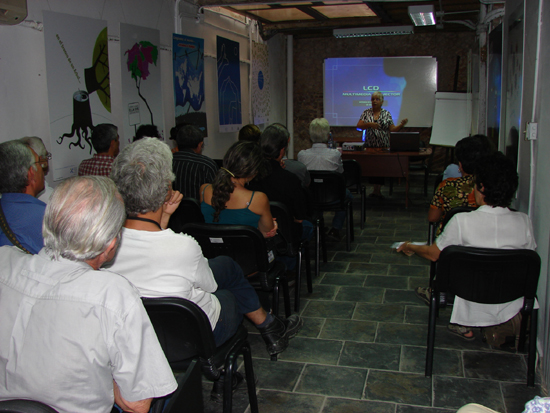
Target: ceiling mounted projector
(12, 11)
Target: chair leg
(426, 175)
(230, 363)
(298, 284)
(363, 208)
(275, 298)
(250, 379)
(323, 239)
(317, 247)
(308, 268)
(532, 349)
(431, 336)
(349, 223)
(286, 295)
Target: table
(382, 162)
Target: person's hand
(405, 248)
(375, 125)
(404, 122)
(273, 232)
(170, 206)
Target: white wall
(23, 91)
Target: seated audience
(321, 158)
(250, 133)
(73, 337)
(147, 131)
(105, 141)
(36, 144)
(492, 225)
(161, 263)
(191, 167)
(227, 200)
(21, 180)
(456, 192)
(280, 185)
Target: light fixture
(422, 15)
(372, 31)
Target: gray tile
(499, 366)
(320, 292)
(403, 388)
(359, 268)
(415, 314)
(277, 402)
(409, 334)
(453, 393)
(517, 394)
(365, 239)
(343, 279)
(446, 362)
(387, 281)
(402, 297)
(393, 258)
(374, 249)
(379, 312)
(386, 240)
(352, 257)
(403, 408)
(333, 405)
(410, 270)
(329, 309)
(332, 381)
(370, 355)
(336, 266)
(349, 330)
(277, 375)
(312, 327)
(418, 282)
(308, 350)
(445, 339)
(362, 294)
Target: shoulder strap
(250, 202)
(9, 233)
(204, 189)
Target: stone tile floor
(362, 348)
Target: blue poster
(188, 60)
(229, 85)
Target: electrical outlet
(531, 132)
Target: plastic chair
(328, 191)
(353, 175)
(488, 276)
(247, 246)
(185, 335)
(189, 210)
(24, 406)
(292, 247)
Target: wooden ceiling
(319, 18)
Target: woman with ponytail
(228, 201)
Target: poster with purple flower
(140, 75)
(229, 84)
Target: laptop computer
(404, 141)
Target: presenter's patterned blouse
(377, 138)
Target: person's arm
(260, 205)
(434, 214)
(141, 406)
(430, 252)
(365, 125)
(169, 207)
(397, 128)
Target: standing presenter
(378, 123)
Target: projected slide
(407, 83)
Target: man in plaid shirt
(105, 141)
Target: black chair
(292, 247)
(188, 211)
(24, 406)
(185, 334)
(353, 175)
(488, 276)
(247, 246)
(328, 193)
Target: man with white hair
(321, 158)
(36, 144)
(21, 180)
(73, 337)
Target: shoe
(277, 333)
(216, 395)
(460, 331)
(334, 234)
(425, 294)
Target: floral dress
(377, 138)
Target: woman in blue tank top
(228, 201)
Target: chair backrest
(327, 188)
(182, 328)
(245, 244)
(486, 275)
(188, 211)
(24, 406)
(352, 174)
(285, 241)
(453, 212)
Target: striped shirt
(99, 165)
(192, 170)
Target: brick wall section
(309, 54)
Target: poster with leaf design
(140, 73)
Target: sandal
(460, 331)
(425, 294)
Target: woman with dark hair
(228, 201)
